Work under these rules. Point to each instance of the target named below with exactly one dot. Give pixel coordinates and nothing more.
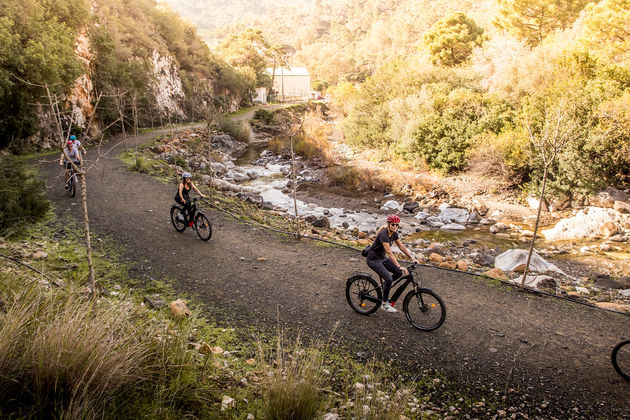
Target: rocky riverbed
(583, 254)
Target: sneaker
(67, 187)
(388, 307)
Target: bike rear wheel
(424, 309)
(203, 227)
(621, 359)
(177, 222)
(72, 185)
(363, 294)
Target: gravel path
(551, 349)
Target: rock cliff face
(168, 89)
(81, 98)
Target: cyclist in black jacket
(377, 259)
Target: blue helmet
(73, 137)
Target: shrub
(140, 164)
(22, 197)
(240, 131)
(264, 115)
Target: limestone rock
(453, 215)
(179, 309)
(390, 205)
(462, 265)
(514, 258)
(436, 258)
(608, 229)
(585, 224)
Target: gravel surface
(554, 350)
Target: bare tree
(291, 124)
(559, 127)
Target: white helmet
(186, 175)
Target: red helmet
(392, 218)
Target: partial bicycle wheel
(203, 227)
(72, 185)
(177, 219)
(363, 294)
(621, 359)
(424, 309)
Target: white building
(261, 95)
(291, 84)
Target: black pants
(188, 208)
(387, 270)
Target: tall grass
(293, 391)
(62, 356)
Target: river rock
(436, 258)
(451, 265)
(604, 281)
(537, 281)
(434, 222)
(498, 227)
(453, 226)
(607, 198)
(453, 215)
(411, 207)
(496, 273)
(534, 202)
(487, 221)
(513, 259)
(474, 217)
(482, 259)
(462, 266)
(422, 215)
(322, 222)
(390, 205)
(622, 207)
(588, 223)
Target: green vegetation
(22, 196)
(239, 130)
(452, 39)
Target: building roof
(294, 71)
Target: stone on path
(179, 309)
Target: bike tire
(620, 358)
(427, 311)
(359, 286)
(177, 224)
(203, 227)
(71, 186)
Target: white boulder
(585, 224)
(390, 205)
(515, 259)
(453, 215)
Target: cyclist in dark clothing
(381, 259)
(182, 197)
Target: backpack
(364, 253)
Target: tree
(532, 20)
(250, 50)
(606, 29)
(550, 127)
(452, 39)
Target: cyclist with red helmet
(381, 258)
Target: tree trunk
(540, 204)
(86, 226)
(297, 219)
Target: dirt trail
(552, 349)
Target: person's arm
(196, 190)
(391, 256)
(61, 159)
(404, 249)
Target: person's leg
(391, 267)
(377, 265)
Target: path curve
(551, 349)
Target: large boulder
(622, 207)
(390, 205)
(453, 215)
(411, 207)
(585, 224)
(322, 222)
(607, 198)
(515, 260)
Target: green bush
(240, 131)
(22, 196)
(263, 115)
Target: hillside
(147, 64)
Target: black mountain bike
(621, 359)
(71, 184)
(422, 306)
(200, 223)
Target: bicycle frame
(409, 278)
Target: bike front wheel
(363, 294)
(424, 309)
(177, 218)
(203, 227)
(621, 359)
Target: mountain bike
(620, 358)
(71, 183)
(200, 222)
(423, 308)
